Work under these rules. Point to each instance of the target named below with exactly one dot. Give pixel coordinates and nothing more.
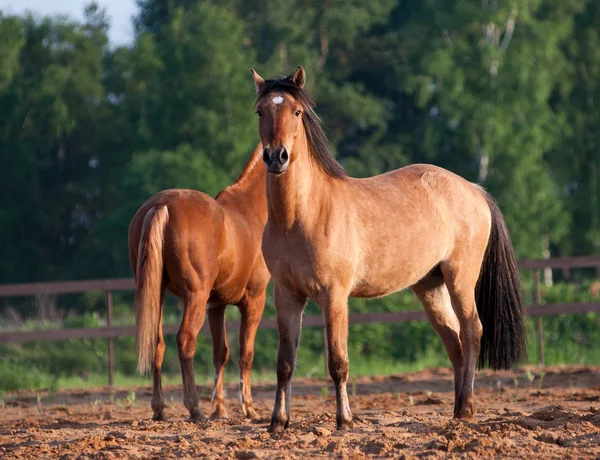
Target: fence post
(538, 320)
(111, 341)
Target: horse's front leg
(335, 311)
(289, 308)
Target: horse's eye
(298, 112)
(259, 113)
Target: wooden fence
(110, 332)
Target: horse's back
(430, 188)
(419, 215)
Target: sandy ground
(527, 413)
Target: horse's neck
(296, 196)
(247, 193)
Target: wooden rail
(110, 332)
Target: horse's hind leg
(251, 311)
(157, 403)
(193, 319)
(216, 322)
(433, 294)
(461, 279)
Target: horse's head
(280, 106)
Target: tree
(466, 87)
(105, 249)
(48, 119)
(11, 42)
(576, 158)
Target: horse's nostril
(284, 155)
(266, 156)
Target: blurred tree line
(501, 92)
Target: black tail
(498, 298)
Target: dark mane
(318, 144)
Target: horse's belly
(389, 276)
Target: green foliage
(503, 93)
(16, 376)
(11, 42)
(500, 94)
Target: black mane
(318, 144)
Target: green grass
(15, 376)
(358, 367)
(34, 380)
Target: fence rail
(110, 332)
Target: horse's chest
(287, 259)
(296, 263)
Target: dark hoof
(277, 426)
(466, 414)
(197, 416)
(345, 424)
(465, 418)
(159, 417)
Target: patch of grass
(17, 376)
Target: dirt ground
(549, 413)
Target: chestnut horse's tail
(498, 298)
(147, 302)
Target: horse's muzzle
(277, 159)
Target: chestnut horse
(330, 236)
(207, 252)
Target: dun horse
(207, 252)
(330, 236)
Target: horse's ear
(298, 77)
(259, 82)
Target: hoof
(250, 413)
(465, 418)
(466, 414)
(197, 416)
(159, 417)
(218, 413)
(344, 424)
(277, 426)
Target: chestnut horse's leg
(289, 309)
(433, 294)
(193, 319)
(216, 322)
(251, 311)
(461, 279)
(335, 310)
(157, 403)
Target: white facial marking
(277, 100)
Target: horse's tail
(498, 298)
(147, 302)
